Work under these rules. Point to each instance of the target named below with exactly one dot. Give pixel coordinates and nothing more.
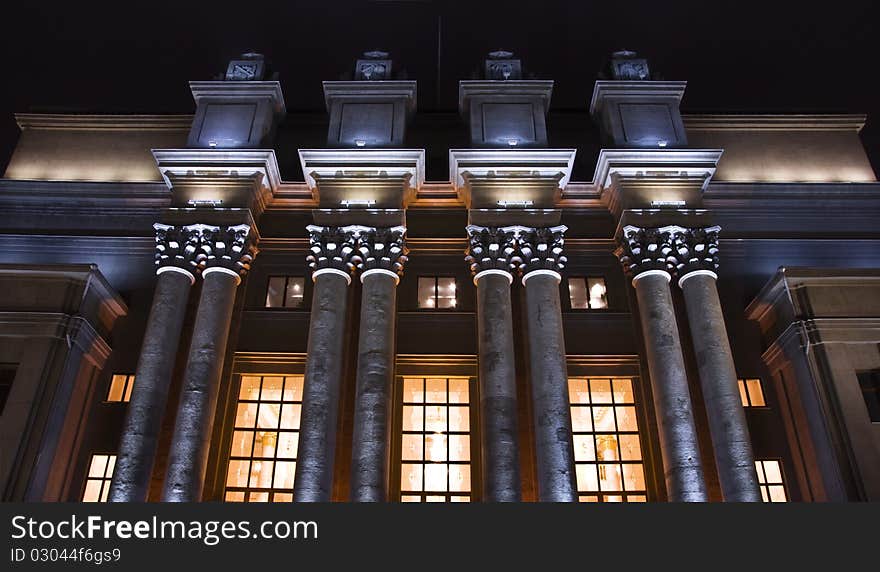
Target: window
(99, 477)
(285, 292)
(607, 448)
(770, 481)
(7, 376)
(751, 392)
(121, 385)
(869, 382)
(436, 292)
(587, 293)
(262, 462)
(435, 452)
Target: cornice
(787, 122)
(229, 163)
(659, 163)
(371, 90)
(468, 89)
(94, 122)
(604, 89)
(243, 90)
(361, 163)
(510, 164)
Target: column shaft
(672, 401)
(188, 456)
(140, 433)
(323, 379)
(727, 421)
(375, 374)
(549, 385)
(500, 447)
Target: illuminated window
(751, 392)
(121, 385)
(770, 481)
(99, 477)
(7, 376)
(436, 292)
(869, 382)
(435, 452)
(285, 292)
(587, 293)
(607, 447)
(262, 462)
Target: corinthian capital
(178, 247)
(333, 248)
(695, 249)
(643, 249)
(492, 248)
(231, 248)
(541, 248)
(382, 249)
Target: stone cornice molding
(190, 165)
(383, 249)
(772, 122)
(333, 247)
(232, 248)
(372, 91)
(362, 164)
(541, 249)
(604, 89)
(656, 163)
(243, 90)
(521, 88)
(94, 122)
(510, 164)
(492, 248)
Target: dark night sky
(747, 57)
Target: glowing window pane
(584, 449)
(285, 292)
(603, 418)
(427, 292)
(411, 477)
(586, 477)
(445, 292)
(410, 498)
(293, 388)
(412, 418)
(265, 459)
(100, 474)
(411, 448)
(435, 447)
(600, 390)
(121, 386)
(413, 390)
(626, 418)
(578, 391)
(630, 448)
(435, 390)
(458, 391)
(610, 478)
(435, 418)
(598, 293)
(459, 478)
(577, 292)
(294, 293)
(459, 447)
(581, 419)
(275, 292)
(744, 397)
(756, 393)
(623, 391)
(771, 481)
(435, 477)
(250, 388)
(272, 388)
(633, 477)
(459, 419)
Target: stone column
(332, 260)
(176, 250)
(542, 259)
(226, 256)
(697, 255)
(492, 259)
(645, 255)
(383, 254)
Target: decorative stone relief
(383, 249)
(179, 246)
(644, 249)
(541, 248)
(696, 249)
(333, 247)
(491, 248)
(230, 247)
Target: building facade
(506, 302)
